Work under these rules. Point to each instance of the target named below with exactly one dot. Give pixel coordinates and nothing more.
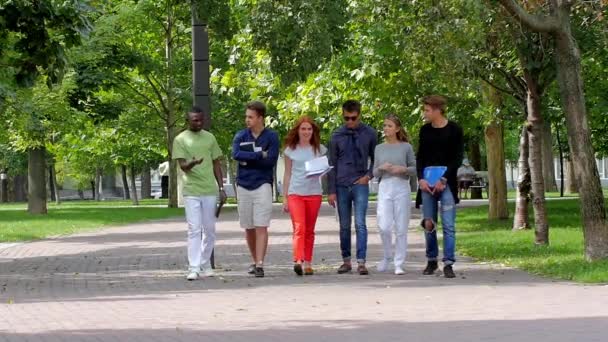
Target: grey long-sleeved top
(401, 154)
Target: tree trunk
(593, 213)
(99, 185)
(275, 186)
(571, 182)
(53, 184)
(93, 187)
(534, 126)
(125, 184)
(164, 186)
(171, 115)
(561, 162)
(548, 166)
(134, 186)
(522, 199)
(232, 172)
(81, 194)
(173, 184)
(512, 167)
(146, 183)
(497, 176)
(495, 156)
(475, 160)
(19, 186)
(36, 178)
(3, 187)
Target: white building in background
(602, 167)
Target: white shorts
(255, 206)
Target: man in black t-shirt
(440, 144)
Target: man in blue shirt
(351, 153)
(256, 148)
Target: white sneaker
(383, 265)
(399, 270)
(192, 275)
(207, 272)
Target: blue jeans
(448, 218)
(346, 197)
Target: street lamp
(200, 66)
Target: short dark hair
(258, 107)
(351, 106)
(435, 101)
(194, 110)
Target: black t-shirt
(441, 147)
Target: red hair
(293, 136)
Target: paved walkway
(127, 284)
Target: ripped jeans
(430, 208)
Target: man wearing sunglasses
(351, 153)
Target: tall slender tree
(557, 22)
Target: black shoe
(345, 268)
(448, 272)
(298, 269)
(251, 269)
(431, 267)
(259, 272)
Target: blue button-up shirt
(351, 153)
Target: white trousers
(200, 215)
(394, 209)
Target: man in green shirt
(198, 155)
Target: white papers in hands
(317, 167)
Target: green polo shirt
(200, 181)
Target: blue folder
(433, 173)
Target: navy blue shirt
(351, 153)
(254, 170)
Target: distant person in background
(256, 148)
(465, 175)
(198, 155)
(394, 164)
(302, 195)
(440, 144)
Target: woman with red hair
(302, 194)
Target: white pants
(200, 215)
(394, 208)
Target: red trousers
(304, 211)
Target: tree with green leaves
(35, 36)
(557, 22)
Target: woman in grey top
(394, 164)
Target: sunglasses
(350, 118)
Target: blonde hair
(401, 133)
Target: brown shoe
(308, 271)
(362, 269)
(345, 268)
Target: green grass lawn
(71, 217)
(563, 258)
